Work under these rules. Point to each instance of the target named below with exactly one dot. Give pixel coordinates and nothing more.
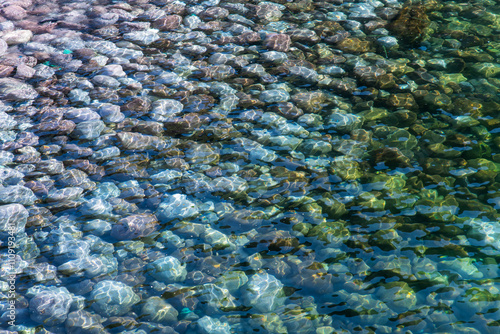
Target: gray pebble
(13, 89)
(13, 217)
(111, 113)
(105, 81)
(274, 96)
(112, 298)
(50, 306)
(79, 115)
(88, 130)
(17, 194)
(167, 270)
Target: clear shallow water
(372, 209)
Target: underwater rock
(50, 306)
(155, 309)
(135, 226)
(167, 270)
(176, 206)
(264, 293)
(112, 298)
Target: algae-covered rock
(331, 233)
(441, 210)
(398, 296)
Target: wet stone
(13, 89)
(168, 22)
(155, 309)
(113, 298)
(167, 270)
(176, 206)
(17, 37)
(302, 74)
(264, 292)
(274, 96)
(13, 217)
(17, 194)
(82, 321)
(208, 325)
(278, 42)
(50, 306)
(135, 226)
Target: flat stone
(17, 37)
(16, 90)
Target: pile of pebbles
(243, 167)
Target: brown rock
(402, 100)
(14, 12)
(249, 37)
(169, 22)
(278, 42)
(214, 13)
(354, 45)
(5, 70)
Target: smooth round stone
(163, 109)
(97, 227)
(112, 298)
(17, 37)
(176, 206)
(10, 176)
(7, 26)
(106, 153)
(264, 293)
(113, 70)
(144, 38)
(50, 306)
(135, 226)
(23, 71)
(332, 70)
(78, 115)
(232, 280)
(111, 113)
(7, 122)
(208, 325)
(13, 217)
(344, 122)
(192, 21)
(254, 70)
(78, 96)
(304, 74)
(165, 177)
(222, 89)
(96, 207)
(43, 71)
(70, 250)
(388, 41)
(84, 322)
(167, 270)
(263, 154)
(274, 57)
(215, 298)
(17, 194)
(66, 194)
(136, 141)
(155, 309)
(16, 90)
(106, 190)
(105, 81)
(6, 157)
(88, 130)
(274, 96)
